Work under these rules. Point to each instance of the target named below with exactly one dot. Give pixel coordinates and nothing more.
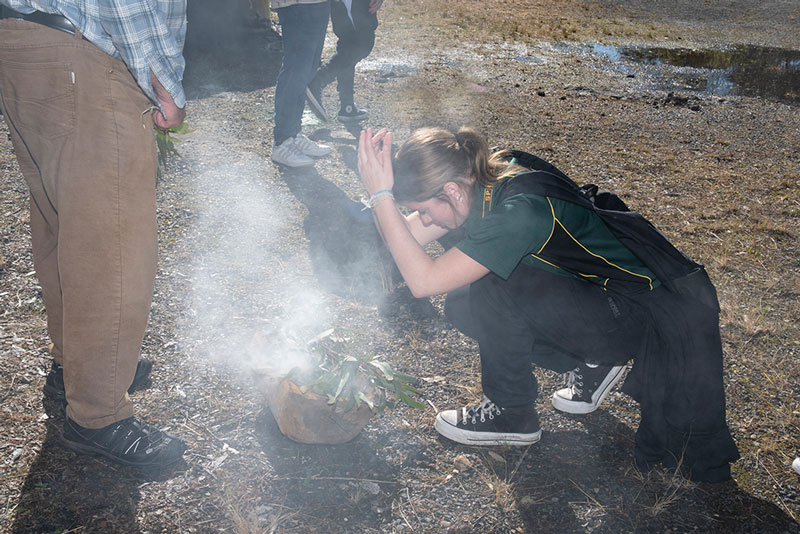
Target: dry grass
(662, 490)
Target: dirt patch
(245, 246)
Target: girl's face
(449, 209)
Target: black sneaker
(488, 424)
(54, 383)
(350, 113)
(314, 99)
(587, 386)
(128, 442)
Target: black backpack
(674, 269)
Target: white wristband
(377, 197)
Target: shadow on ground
(347, 253)
(228, 49)
(333, 484)
(346, 250)
(578, 481)
(64, 491)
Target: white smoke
(252, 300)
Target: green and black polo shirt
(550, 234)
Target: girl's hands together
(375, 160)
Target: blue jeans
(303, 28)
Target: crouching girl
(537, 280)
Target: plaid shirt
(145, 34)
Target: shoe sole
(88, 449)
(140, 381)
(484, 438)
(574, 407)
(355, 118)
(316, 106)
(295, 166)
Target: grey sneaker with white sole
(288, 154)
(311, 148)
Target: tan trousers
(86, 148)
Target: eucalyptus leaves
(344, 377)
(166, 142)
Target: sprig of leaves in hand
(166, 141)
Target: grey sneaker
(287, 153)
(309, 147)
(796, 465)
(314, 99)
(489, 424)
(587, 386)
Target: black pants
(540, 318)
(355, 40)
(557, 322)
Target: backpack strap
(672, 267)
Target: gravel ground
(247, 248)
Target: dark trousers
(539, 318)
(556, 322)
(355, 39)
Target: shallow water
(769, 73)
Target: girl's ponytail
(476, 149)
(434, 156)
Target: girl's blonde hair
(434, 156)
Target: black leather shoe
(54, 383)
(128, 442)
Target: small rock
(676, 99)
(462, 463)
